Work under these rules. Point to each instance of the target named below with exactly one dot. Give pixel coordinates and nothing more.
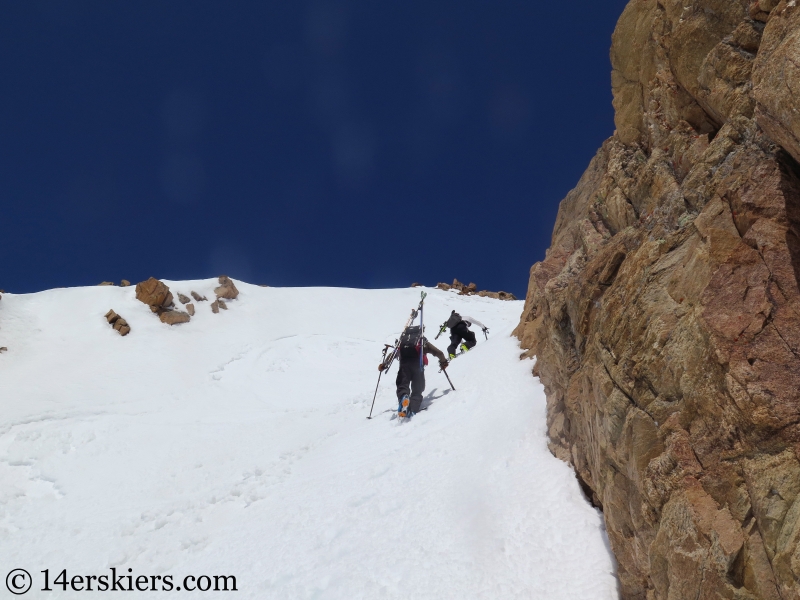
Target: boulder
(457, 285)
(3, 349)
(443, 286)
(124, 283)
(416, 285)
(190, 309)
(106, 283)
(112, 317)
(221, 304)
(226, 289)
(215, 307)
(155, 294)
(198, 297)
(174, 317)
(183, 299)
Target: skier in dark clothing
(459, 330)
(411, 374)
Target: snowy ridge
(238, 444)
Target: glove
(486, 330)
(443, 364)
(381, 367)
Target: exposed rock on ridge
(666, 314)
(157, 296)
(472, 290)
(119, 324)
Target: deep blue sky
(352, 143)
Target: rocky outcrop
(119, 324)
(190, 309)
(183, 299)
(198, 297)
(226, 288)
(472, 290)
(464, 290)
(124, 283)
(665, 317)
(155, 294)
(497, 295)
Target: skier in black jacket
(459, 330)
(411, 374)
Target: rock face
(666, 315)
(776, 77)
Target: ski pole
(448, 379)
(383, 365)
(376, 395)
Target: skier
(459, 330)
(411, 373)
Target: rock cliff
(666, 315)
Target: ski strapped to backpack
(389, 356)
(422, 360)
(395, 352)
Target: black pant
(410, 378)
(459, 332)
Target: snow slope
(237, 444)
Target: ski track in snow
(237, 444)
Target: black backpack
(409, 342)
(454, 320)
